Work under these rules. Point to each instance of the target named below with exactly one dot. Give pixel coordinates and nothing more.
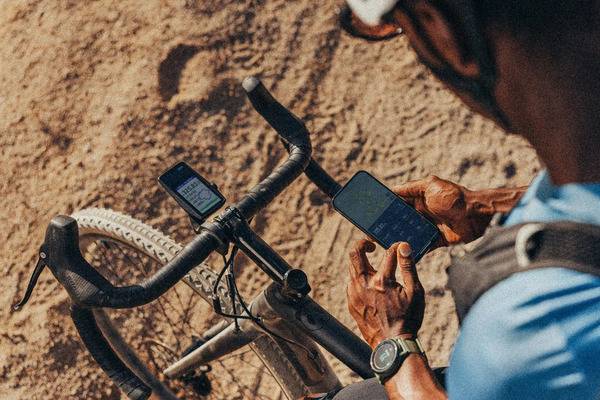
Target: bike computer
(197, 196)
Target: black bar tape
(319, 176)
(88, 288)
(287, 125)
(292, 131)
(104, 355)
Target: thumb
(407, 267)
(412, 189)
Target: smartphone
(196, 195)
(383, 215)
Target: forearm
(414, 381)
(492, 201)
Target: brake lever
(39, 267)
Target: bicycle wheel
(151, 337)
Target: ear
(444, 38)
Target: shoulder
(534, 335)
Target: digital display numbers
(200, 196)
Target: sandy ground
(98, 97)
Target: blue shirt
(535, 335)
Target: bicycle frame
(284, 312)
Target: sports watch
(388, 356)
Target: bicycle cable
(215, 297)
(258, 321)
(235, 293)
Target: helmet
(371, 11)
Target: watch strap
(410, 346)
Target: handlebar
(96, 343)
(292, 131)
(89, 289)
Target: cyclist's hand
(381, 306)
(461, 215)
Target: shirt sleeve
(535, 335)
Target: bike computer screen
(383, 215)
(196, 195)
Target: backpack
(525, 247)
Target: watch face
(384, 356)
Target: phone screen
(383, 215)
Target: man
(532, 66)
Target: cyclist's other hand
(383, 307)
(451, 207)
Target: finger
(387, 270)
(369, 239)
(353, 295)
(350, 296)
(412, 189)
(350, 293)
(359, 263)
(408, 269)
(367, 245)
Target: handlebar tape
(292, 131)
(319, 177)
(104, 355)
(287, 125)
(88, 288)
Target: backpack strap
(507, 251)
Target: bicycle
(283, 326)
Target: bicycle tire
(119, 227)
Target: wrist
(492, 201)
(410, 382)
(392, 334)
(478, 202)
